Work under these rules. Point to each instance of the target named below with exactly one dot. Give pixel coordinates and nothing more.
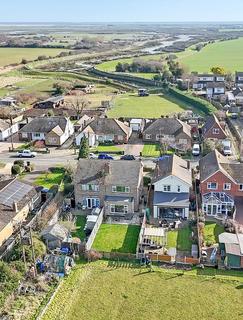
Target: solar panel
(14, 192)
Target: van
(196, 150)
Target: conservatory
(217, 204)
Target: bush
(202, 105)
(146, 181)
(16, 169)
(68, 188)
(19, 163)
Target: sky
(120, 10)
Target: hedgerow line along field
(123, 290)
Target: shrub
(146, 181)
(16, 169)
(19, 163)
(68, 188)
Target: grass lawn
(112, 290)
(151, 150)
(117, 237)
(15, 55)
(180, 239)
(153, 106)
(109, 149)
(212, 231)
(48, 179)
(79, 232)
(227, 54)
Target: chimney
(15, 207)
(107, 168)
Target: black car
(128, 157)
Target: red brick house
(213, 129)
(221, 182)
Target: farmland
(125, 291)
(153, 106)
(227, 54)
(15, 55)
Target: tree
(16, 169)
(24, 61)
(218, 70)
(79, 104)
(84, 148)
(61, 88)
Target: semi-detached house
(114, 185)
(221, 183)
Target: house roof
(13, 191)
(168, 126)
(54, 99)
(172, 165)
(212, 163)
(45, 124)
(119, 172)
(55, 231)
(167, 199)
(233, 242)
(57, 130)
(215, 161)
(210, 122)
(206, 75)
(85, 117)
(239, 74)
(3, 125)
(102, 126)
(215, 85)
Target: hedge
(203, 106)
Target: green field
(227, 54)
(119, 291)
(180, 239)
(153, 106)
(15, 55)
(48, 179)
(212, 231)
(117, 237)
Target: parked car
(196, 149)
(227, 151)
(159, 158)
(93, 156)
(105, 156)
(128, 157)
(26, 154)
(234, 116)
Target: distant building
(50, 103)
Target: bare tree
(79, 104)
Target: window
(212, 185)
(182, 141)
(37, 134)
(215, 130)
(148, 136)
(227, 186)
(120, 138)
(178, 188)
(115, 208)
(90, 187)
(120, 189)
(167, 188)
(241, 187)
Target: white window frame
(178, 189)
(94, 187)
(209, 187)
(241, 187)
(113, 210)
(148, 136)
(227, 186)
(114, 189)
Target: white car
(26, 154)
(227, 151)
(93, 156)
(196, 150)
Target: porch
(217, 204)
